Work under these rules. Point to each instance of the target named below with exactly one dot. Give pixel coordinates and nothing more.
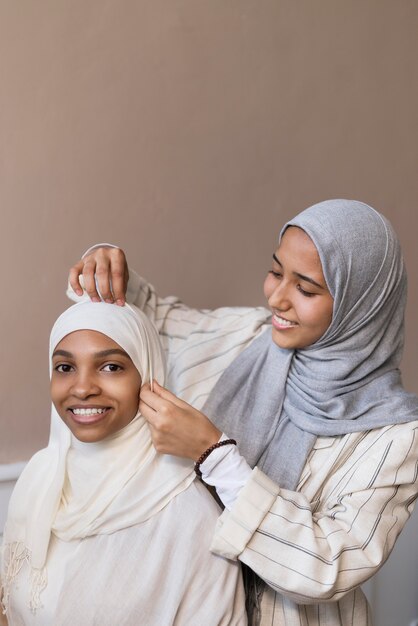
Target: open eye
(112, 367)
(63, 368)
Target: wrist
(227, 471)
(209, 440)
(208, 451)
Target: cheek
(56, 390)
(314, 314)
(58, 395)
(328, 311)
(131, 406)
(131, 396)
(268, 286)
(134, 399)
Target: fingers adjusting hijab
(348, 380)
(75, 489)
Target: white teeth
(283, 322)
(87, 411)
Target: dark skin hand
(176, 427)
(109, 267)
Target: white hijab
(75, 489)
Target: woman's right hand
(176, 427)
(107, 266)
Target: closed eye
(307, 294)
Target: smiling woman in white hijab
(325, 473)
(101, 529)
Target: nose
(280, 297)
(85, 386)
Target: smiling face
(94, 385)
(297, 293)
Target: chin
(283, 342)
(88, 436)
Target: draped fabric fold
(74, 489)
(275, 402)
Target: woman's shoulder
(383, 434)
(390, 447)
(379, 457)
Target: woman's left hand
(176, 427)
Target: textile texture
(77, 490)
(275, 402)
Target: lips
(281, 323)
(88, 415)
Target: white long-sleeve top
(165, 575)
(314, 546)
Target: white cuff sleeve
(235, 528)
(227, 471)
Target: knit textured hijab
(275, 402)
(76, 490)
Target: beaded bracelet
(206, 453)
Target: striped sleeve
(199, 343)
(317, 550)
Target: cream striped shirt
(315, 546)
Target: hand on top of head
(102, 274)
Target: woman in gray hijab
(324, 473)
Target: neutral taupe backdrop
(188, 131)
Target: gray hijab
(275, 402)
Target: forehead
(297, 249)
(87, 341)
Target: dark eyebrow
(68, 355)
(99, 355)
(301, 276)
(111, 352)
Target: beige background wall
(187, 131)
